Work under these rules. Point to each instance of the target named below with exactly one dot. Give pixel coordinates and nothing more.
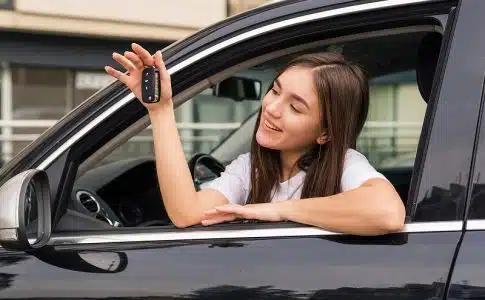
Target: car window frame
(242, 225)
(410, 227)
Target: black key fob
(150, 85)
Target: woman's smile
(270, 126)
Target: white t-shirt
(235, 181)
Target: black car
(80, 221)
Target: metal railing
(379, 140)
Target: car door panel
(315, 267)
(467, 280)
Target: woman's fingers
(211, 212)
(225, 213)
(161, 65)
(134, 62)
(234, 209)
(220, 219)
(125, 62)
(164, 76)
(213, 216)
(116, 74)
(143, 54)
(135, 59)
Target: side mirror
(25, 216)
(85, 261)
(238, 89)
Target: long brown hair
(343, 91)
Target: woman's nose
(274, 108)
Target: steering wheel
(203, 168)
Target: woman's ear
(323, 138)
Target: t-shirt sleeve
(357, 170)
(234, 181)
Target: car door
(467, 278)
(283, 260)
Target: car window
(219, 121)
(396, 113)
(476, 210)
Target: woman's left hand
(231, 212)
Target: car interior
(125, 193)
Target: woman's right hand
(134, 62)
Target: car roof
(245, 21)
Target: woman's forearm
(372, 209)
(176, 185)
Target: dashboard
(124, 193)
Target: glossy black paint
(400, 266)
(467, 280)
(281, 268)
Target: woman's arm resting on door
(374, 208)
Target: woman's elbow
(392, 209)
(180, 224)
(392, 223)
(183, 221)
(393, 217)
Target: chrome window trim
(215, 234)
(473, 225)
(294, 21)
(229, 42)
(78, 135)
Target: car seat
(427, 58)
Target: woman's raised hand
(134, 62)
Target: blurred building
(52, 53)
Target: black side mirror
(238, 89)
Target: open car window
(120, 186)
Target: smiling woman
(303, 147)
(308, 128)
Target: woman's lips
(271, 126)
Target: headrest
(428, 54)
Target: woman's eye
(294, 108)
(274, 91)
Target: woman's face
(291, 116)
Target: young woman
(302, 166)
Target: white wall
(182, 13)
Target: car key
(150, 85)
